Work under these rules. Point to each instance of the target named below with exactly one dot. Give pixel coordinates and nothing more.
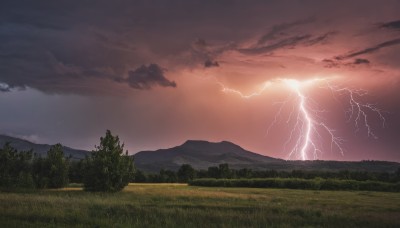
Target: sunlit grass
(178, 205)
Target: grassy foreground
(179, 205)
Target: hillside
(41, 149)
(203, 154)
(200, 154)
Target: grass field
(179, 205)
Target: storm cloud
(145, 77)
(371, 49)
(279, 30)
(210, 63)
(391, 25)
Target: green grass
(179, 205)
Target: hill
(203, 154)
(199, 154)
(41, 149)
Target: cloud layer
(76, 48)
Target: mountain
(199, 154)
(203, 154)
(41, 149)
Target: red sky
(152, 72)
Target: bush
(108, 169)
(294, 183)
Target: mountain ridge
(40, 149)
(202, 154)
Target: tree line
(186, 173)
(107, 169)
(296, 183)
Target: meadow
(180, 205)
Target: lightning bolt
(242, 95)
(308, 123)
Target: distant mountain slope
(200, 154)
(203, 154)
(41, 149)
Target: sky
(158, 73)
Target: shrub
(294, 183)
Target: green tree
(15, 167)
(39, 170)
(58, 167)
(397, 175)
(244, 173)
(52, 171)
(139, 177)
(186, 173)
(224, 171)
(76, 171)
(171, 176)
(108, 169)
(213, 172)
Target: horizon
(295, 80)
(213, 142)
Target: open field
(179, 205)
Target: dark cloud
(320, 38)
(329, 63)
(285, 40)
(361, 61)
(391, 25)
(334, 63)
(285, 43)
(370, 49)
(277, 30)
(146, 77)
(210, 63)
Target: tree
(244, 173)
(224, 171)
(76, 171)
(58, 167)
(108, 169)
(52, 171)
(139, 177)
(170, 176)
(186, 173)
(15, 167)
(397, 174)
(39, 170)
(213, 172)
